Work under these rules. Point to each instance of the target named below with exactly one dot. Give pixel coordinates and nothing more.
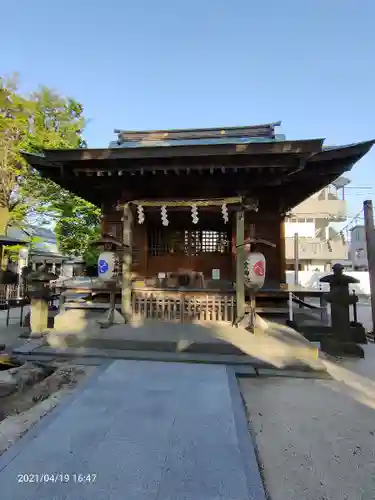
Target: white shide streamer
(194, 213)
(141, 214)
(224, 211)
(164, 215)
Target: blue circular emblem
(103, 266)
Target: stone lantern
(342, 339)
(38, 289)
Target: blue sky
(168, 63)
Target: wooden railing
(184, 307)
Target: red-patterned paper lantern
(255, 270)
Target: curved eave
(58, 157)
(350, 150)
(7, 240)
(321, 170)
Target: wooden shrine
(184, 202)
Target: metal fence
(11, 294)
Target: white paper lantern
(108, 266)
(255, 270)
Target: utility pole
(296, 258)
(370, 244)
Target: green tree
(32, 123)
(15, 117)
(77, 221)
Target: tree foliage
(15, 114)
(42, 120)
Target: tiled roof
(205, 136)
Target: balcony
(316, 249)
(333, 209)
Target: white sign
(215, 274)
(161, 276)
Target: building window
(189, 242)
(209, 242)
(290, 267)
(166, 242)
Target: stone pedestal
(39, 317)
(335, 347)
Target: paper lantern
(108, 266)
(255, 270)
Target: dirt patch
(19, 402)
(23, 409)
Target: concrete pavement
(142, 430)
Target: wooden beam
(240, 263)
(281, 246)
(178, 168)
(188, 203)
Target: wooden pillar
(281, 246)
(240, 263)
(370, 246)
(126, 289)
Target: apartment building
(319, 244)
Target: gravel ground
(316, 438)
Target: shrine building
(197, 195)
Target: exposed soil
(23, 409)
(65, 376)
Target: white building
(319, 245)
(42, 245)
(358, 249)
